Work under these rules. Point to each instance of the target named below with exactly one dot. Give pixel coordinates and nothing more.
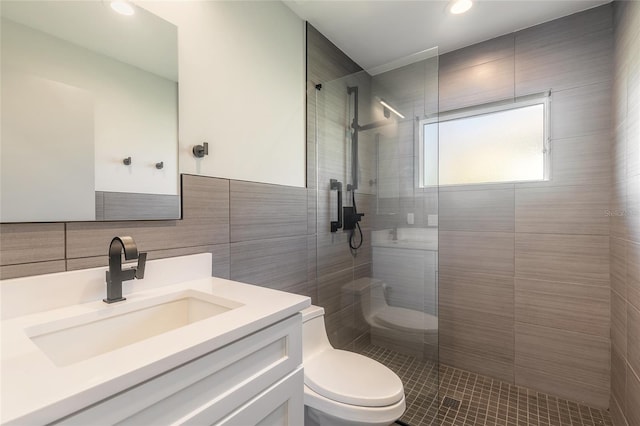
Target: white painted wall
(242, 88)
(134, 111)
(46, 169)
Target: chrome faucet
(115, 274)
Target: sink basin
(112, 327)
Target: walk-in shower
(376, 225)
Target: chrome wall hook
(160, 165)
(127, 161)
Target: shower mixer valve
(350, 218)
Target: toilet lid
(353, 379)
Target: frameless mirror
(89, 113)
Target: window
(504, 142)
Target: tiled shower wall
(327, 119)
(257, 233)
(524, 268)
(625, 219)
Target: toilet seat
(353, 379)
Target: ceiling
(380, 32)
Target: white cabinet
(285, 396)
(254, 380)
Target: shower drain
(449, 402)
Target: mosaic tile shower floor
(483, 400)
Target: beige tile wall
(625, 221)
(524, 268)
(263, 241)
(327, 158)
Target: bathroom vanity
(183, 348)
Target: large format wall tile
(573, 26)
(483, 210)
(632, 211)
(564, 355)
(571, 307)
(478, 340)
(205, 197)
(205, 222)
(569, 258)
(29, 269)
(87, 239)
(618, 265)
(633, 115)
(325, 62)
(478, 363)
(132, 206)
(618, 378)
(617, 415)
(579, 111)
(276, 263)
(582, 160)
(562, 210)
(562, 64)
(331, 295)
(477, 54)
(633, 398)
(31, 242)
(625, 225)
(312, 211)
(567, 52)
(481, 298)
(221, 266)
(334, 253)
(220, 261)
(485, 252)
(619, 322)
(553, 384)
(633, 274)
(480, 84)
(260, 211)
(633, 338)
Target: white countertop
(36, 391)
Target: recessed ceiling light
(122, 7)
(460, 6)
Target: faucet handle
(142, 261)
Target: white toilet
(344, 388)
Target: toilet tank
(314, 333)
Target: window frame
(485, 109)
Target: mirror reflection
(89, 113)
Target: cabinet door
(281, 404)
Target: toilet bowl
(343, 388)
